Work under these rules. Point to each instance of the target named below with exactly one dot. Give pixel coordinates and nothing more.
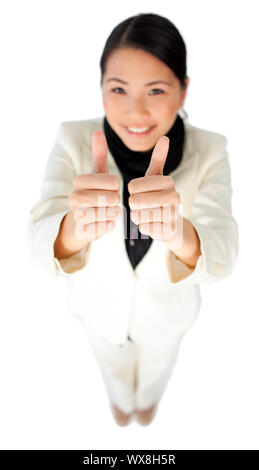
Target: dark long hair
(154, 34)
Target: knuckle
(170, 180)
(130, 187)
(133, 216)
(116, 199)
(76, 181)
(72, 199)
(177, 197)
(115, 181)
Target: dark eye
(157, 89)
(117, 88)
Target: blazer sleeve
(217, 229)
(47, 214)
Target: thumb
(99, 152)
(158, 157)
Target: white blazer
(161, 298)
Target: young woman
(135, 211)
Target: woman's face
(131, 101)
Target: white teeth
(134, 129)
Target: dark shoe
(121, 418)
(145, 417)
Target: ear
(184, 92)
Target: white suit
(159, 301)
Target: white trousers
(135, 375)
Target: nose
(137, 108)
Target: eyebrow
(147, 84)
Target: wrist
(67, 243)
(188, 249)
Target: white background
(52, 394)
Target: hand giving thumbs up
(96, 196)
(153, 199)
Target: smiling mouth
(138, 132)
